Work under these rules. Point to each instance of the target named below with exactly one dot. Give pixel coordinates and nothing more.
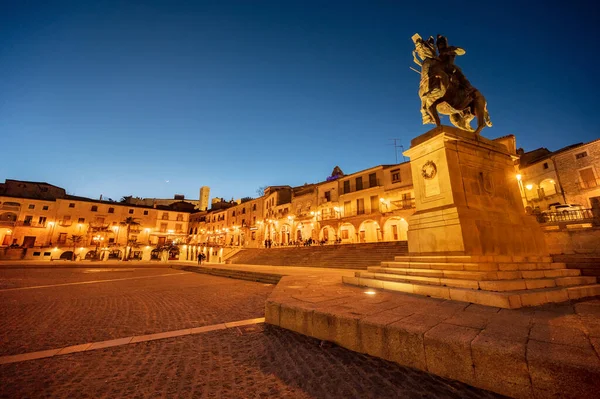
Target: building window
(94, 208)
(71, 205)
(545, 165)
(31, 206)
(373, 180)
(111, 210)
(344, 234)
(360, 206)
(111, 240)
(163, 227)
(346, 186)
(359, 185)
(243, 211)
(328, 196)
(588, 179)
(131, 211)
(165, 216)
(62, 238)
(81, 220)
(145, 213)
(45, 208)
(581, 155)
(395, 175)
(42, 220)
(178, 227)
(254, 207)
(233, 213)
(27, 220)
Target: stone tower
(204, 196)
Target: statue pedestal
(467, 198)
(470, 239)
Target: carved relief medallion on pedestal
(429, 170)
(431, 182)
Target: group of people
(307, 243)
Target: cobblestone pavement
(257, 361)
(17, 278)
(251, 362)
(54, 317)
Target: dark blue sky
(117, 98)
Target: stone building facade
(570, 175)
(40, 221)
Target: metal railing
(30, 224)
(576, 215)
(7, 223)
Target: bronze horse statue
(444, 88)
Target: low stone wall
(573, 241)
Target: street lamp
(51, 225)
(97, 240)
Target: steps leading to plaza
(266, 278)
(589, 264)
(343, 256)
(502, 281)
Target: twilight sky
(154, 98)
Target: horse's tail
(486, 116)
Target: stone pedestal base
(467, 198)
(470, 239)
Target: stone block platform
(543, 351)
(509, 282)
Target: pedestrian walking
(200, 256)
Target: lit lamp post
(521, 190)
(51, 225)
(97, 241)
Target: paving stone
(563, 371)
(372, 330)
(448, 351)
(559, 335)
(497, 359)
(473, 320)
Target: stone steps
(347, 256)
(476, 275)
(487, 285)
(235, 274)
(474, 258)
(506, 299)
(473, 266)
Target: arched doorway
(395, 229)
(368, 231)
(327, 234)
(67, 255)
(347, 233)
(547, 187)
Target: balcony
(408, 203)
(65, 223)
(590, 184)
(27, 223)
(10, 207)
(7, 223)
(577, 216)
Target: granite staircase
(343, 256)
(502, 281)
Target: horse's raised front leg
(433, 111)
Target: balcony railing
(9, 223)
(5, 207)
(577, 216)
(590, 184)
(30, 224)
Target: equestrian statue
(444, 88)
